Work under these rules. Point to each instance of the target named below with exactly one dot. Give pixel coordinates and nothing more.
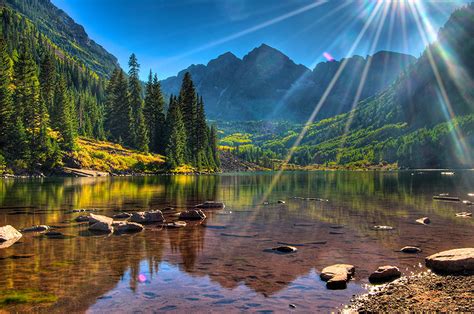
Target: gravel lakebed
(426, 291)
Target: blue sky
(169, 35)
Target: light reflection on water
(222, 263)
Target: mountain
(266, 84)
(425, 119)
(61, 29)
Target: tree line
(48, 98)
(182, 134)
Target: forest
(49, 98)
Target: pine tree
(6, 102)
(201, 137)
(119, 116)
(65, 114)
(175, 147)
(188, 104)
(160, 124)
(213, 146)
(138, 127)
(153, 112)
(47, 79)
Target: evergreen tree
(47, 79)
(188, 104)
(64, 108)
(214, 154)
(119, 117)
(153, 112)
(138, 127)
(6, 103)
(176, 144)
(201, 137)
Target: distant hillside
(266, 84)
(414, 123)
(61, 29)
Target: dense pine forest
(49, 98)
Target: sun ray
(414, 9)
(323, 99)
(365, 72)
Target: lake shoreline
(423, 292)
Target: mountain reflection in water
(222, 263)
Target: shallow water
(222, 264)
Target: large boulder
(385, 274)
(193, 214)
(93, 219)
(8, 236)
(127, 227)
(452, 261)
(147, 217)
(329, 272)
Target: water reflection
(223, 263)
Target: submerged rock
(8, 236)
(39, 228)
(102, 226)
(126, 227)
(410, 249)
(210, 204)
(148, 217)
(423, 221)
(383, 228)
(82, 218)
(193, 214)
(464, 215)
(281, 202)
(176, 224)
(122, 216)
(385, 274)
(452, 261)
(466, 202)
(54, 234)
(285, 249)
(337, 275)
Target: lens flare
(328, 56)
(141, 278)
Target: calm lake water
(222, 263)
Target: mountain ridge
(267, 84)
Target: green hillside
(410, 124)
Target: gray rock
(8, 236)
(147, 217)
(127, 227)
(39, 228)
(329, 272)
(452, 261)
(423, 221)
(410, 249)
(193, 214)
(93, 219)
(102, 226)
(385, 274)
(281, 202)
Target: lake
(223, 262)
